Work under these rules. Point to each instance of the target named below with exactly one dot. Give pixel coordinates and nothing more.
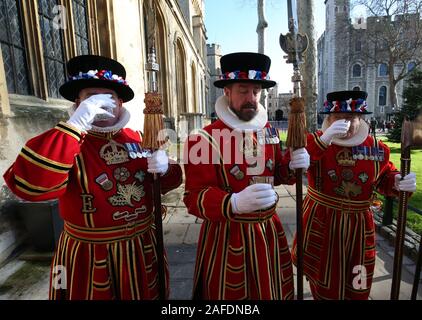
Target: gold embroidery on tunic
(125, 194)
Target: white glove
(338, 129)
(254, 197)
(158, 162)
(408, 183)
(96, 107)
(300, 159)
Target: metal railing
(280, 125)
(387, 219)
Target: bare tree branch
(393, 36)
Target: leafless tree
(306, 26)
(393, 37)
(260, 29)
(262, 24)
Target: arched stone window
(358, 45)
(410, 66)
(357, 70)
(383, 70)
(181, 77)
(194, 93)
(382, 96)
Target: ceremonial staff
(411, 136)
(295, 45)
(153, 139)
(417, 273)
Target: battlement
(213, 49)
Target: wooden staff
(417, 273)
(153, 140)
(153, 124)
(295, 45)
(411, 136)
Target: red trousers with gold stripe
(107, 263)
(339, 247)
(240, 260)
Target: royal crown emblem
(114, 153)
(345, 158)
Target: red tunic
(239, 256)
(105, 198)
(339, 233)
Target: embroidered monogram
(87, 205)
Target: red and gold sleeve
(385, 180)
(172, 178)
(41, 170)
(204, 195)
(283, 174)
(315, 146)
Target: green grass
(282, 135)
(414, 220)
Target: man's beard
(247, 112)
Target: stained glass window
(52, 40)
(79, 8)
(13, 48)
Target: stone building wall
(114, 28)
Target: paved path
(25, 277)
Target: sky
(232, 24)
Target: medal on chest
(237, 173)
(104, 182)
(250, 148)
(136, 151)
(332, 174)
(368, 153)
(268, 136)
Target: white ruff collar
(230, 119)
(123, 120)
(353, 141)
